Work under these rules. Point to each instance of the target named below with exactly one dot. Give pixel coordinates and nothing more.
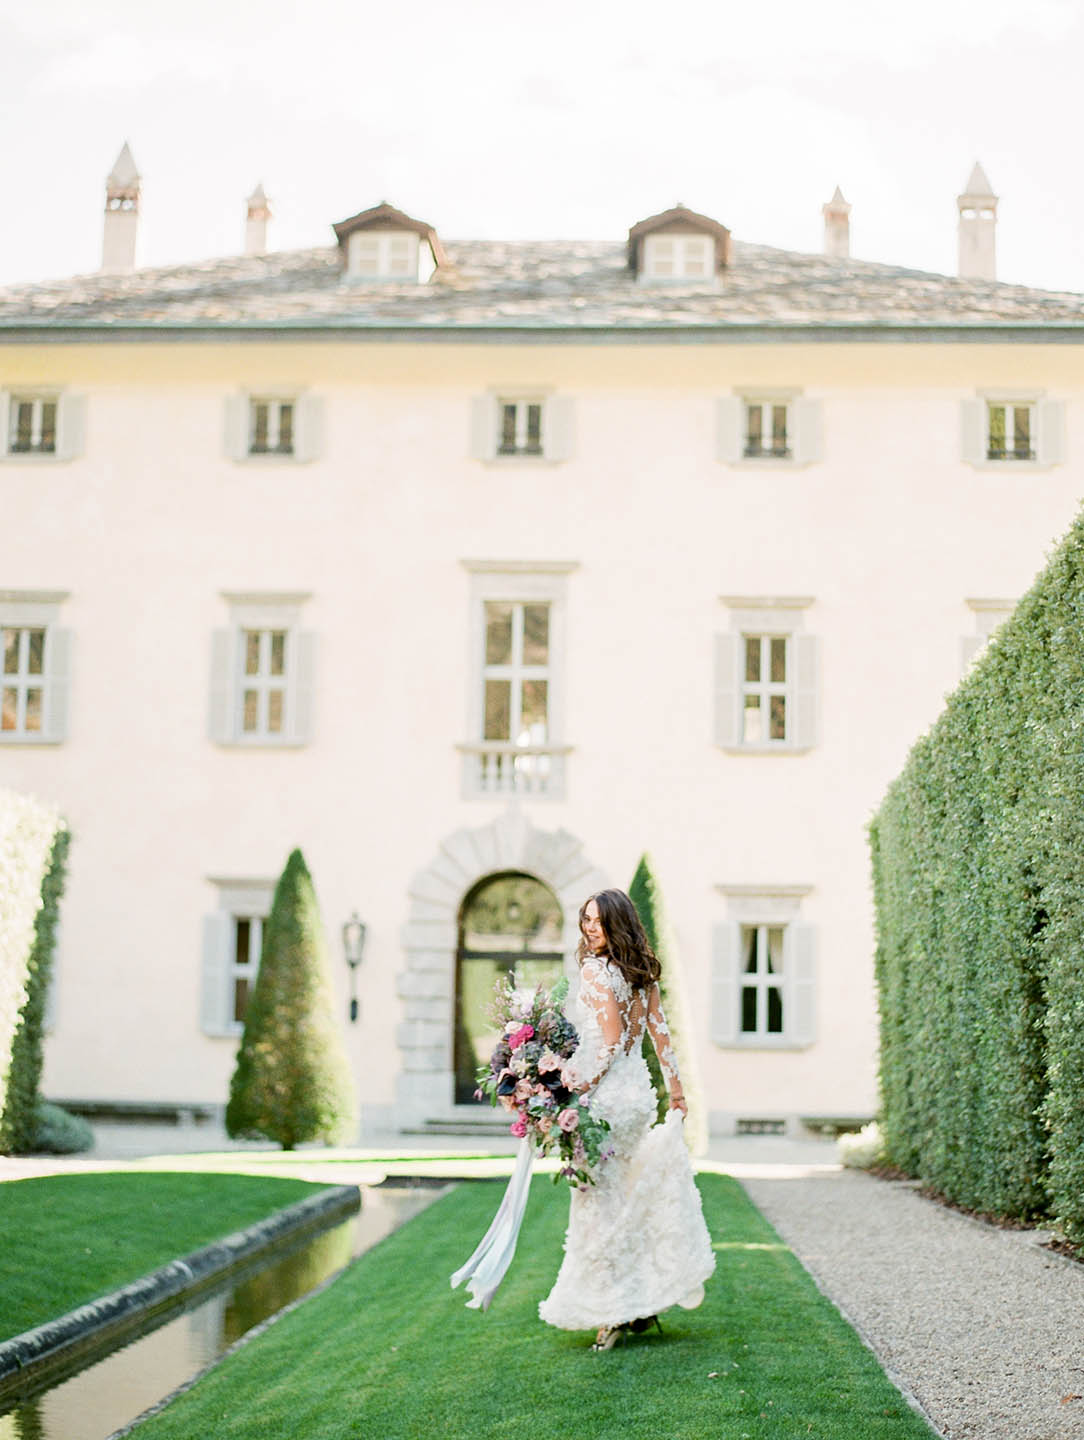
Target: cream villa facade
(449, 562)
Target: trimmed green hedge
(978, 877)
(27, 831)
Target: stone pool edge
(50, 1344)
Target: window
(766, 429)
(515, 710)
(521, 427)
(41, 425)
(232, 942)
(767, 677)
(32, 425)
(382, 255)
(271, 427)
(765, 690)
(1010, 430)
(761, 979)
(34, 663)
(261, 673)
(764, 969)
(679, 257)
(511, 428)
(263, 427)
(263, 682)
(763, 430)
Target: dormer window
(385, 244)
(678, 257)
(382, 255)
(678, 245)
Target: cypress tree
(292, 1082)
(645, 894)
(19, 1125)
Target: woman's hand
(677, 1102)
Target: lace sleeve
(660, 1038)
(601, 1039)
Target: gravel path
(982, 1326)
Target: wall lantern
(353, 949)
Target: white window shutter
(973, 431)
(800, 1017)
(309, 440)
(807, 690)
(1051, 432)
(5, 422)
(483, 427)
(301, 685)
(725, 998)
(726, 688)
(71, 425)
(215, 987)
(58, 673)
(558, 432)
(970, 647)
(808, 442)
(221, 723)
(729, 429)
(236, 426)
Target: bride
(636, 1241)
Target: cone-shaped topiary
(645, 894)
(292, 1082)
(20, 1123)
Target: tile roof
(539, 285)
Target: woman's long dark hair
(626, 944)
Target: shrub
(57, 1132)
(292, 1081)
(27, 829)
(978, 872)
(646, 895)
(862, 1149)
(19, 1125)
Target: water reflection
(108, 1396)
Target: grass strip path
(70, 1238)
(388, 1352)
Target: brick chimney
(257, 214)
(977, 225)
(837, 227)
(121, 216)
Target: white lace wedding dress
(636, 1241)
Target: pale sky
(572, 119)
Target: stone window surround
(767, 615)
(261, 610)
(236, 896)
(988, 615)
(775, 905)
(517, 581)
(40, 610)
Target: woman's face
(592, 928)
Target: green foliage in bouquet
(978, 873)
(524, 1076)
(292, 1082)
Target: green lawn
(388, 1352)
(70, 1238)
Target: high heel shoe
(608, 1337)
(645, 1322)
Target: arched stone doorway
(510, 928)
(510, 844)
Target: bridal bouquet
(524, 1076)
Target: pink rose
(548, 1061)
(523, 1091)
(519, 1128)
(545, 1124)
(520, 1037)
(568, 1120)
